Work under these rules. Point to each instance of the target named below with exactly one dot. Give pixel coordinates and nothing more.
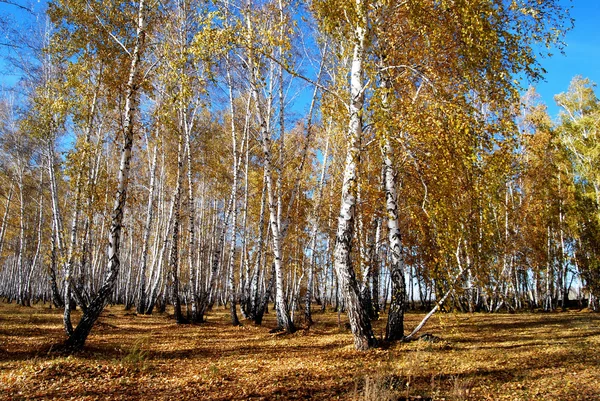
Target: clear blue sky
(582, 54)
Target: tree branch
(12, 3)
(107, 31)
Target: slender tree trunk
(375, 272)
(142, 301)
(77, 339)
(217, 256)
(174, 251)
(313, 237)
(71, 287)
(161, 241)
(230, 269)
(5, 217)
(395, 323)
(57, 234)
(549, 275)
(564, 291)
(129, 298)
(359, 319)
(244, 262)
(20, 268)
(283, 317)
(56, 298)
(68, 284)
(39, 242)
(255, 303)
(54, 196)
(159, 258)
(438, 304)
(193, 266)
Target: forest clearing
(529, 356)
(195, 186)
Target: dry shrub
(378, 387)
(461, 389)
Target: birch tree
(80, 18)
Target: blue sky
(582, 54)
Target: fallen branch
(441, 302)
(431, 312)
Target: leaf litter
(467, 357)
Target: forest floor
(539, 356)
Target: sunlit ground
(480, 357)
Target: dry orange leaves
(478, 357)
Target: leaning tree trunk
(68, 284)
(395, 325)
(358, 317)
(77, 339)
(56, 215)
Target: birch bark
(77, 339)
(283, 317)
(5, 217)
(313, 237)
(360, 323)
(141, 306)
(174, 251)
(230, 268)
(395, 324)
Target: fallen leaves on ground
(477, 356)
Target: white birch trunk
(359, 321)
(5, 217)
(395, 324)
(174, 250)
(20, 272)
(313, 235)
(80, 334)
(39, 241)
(141, 306)
(283, 317)
(232, 245)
